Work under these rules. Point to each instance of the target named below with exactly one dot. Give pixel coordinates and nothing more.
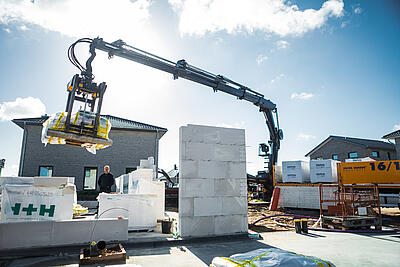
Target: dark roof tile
(366, 143)
(393, 135)
(116, 123)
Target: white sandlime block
(28, 203)
(196, 187)
(231, 224)
(234, 206)
(207, 206)
(140, 209)
(142, 186)
(196, 226)
(303, 197)
(212, 135)
(323, 171)
(295, 172)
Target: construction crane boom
(181, 69)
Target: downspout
(23, 148)
(156, 153)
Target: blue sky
(331, 67)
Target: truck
(385, 174)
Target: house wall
(397, 142)
(342, 149)
(68, 161)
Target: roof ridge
(131, 121)
(121, 123)
(348, 137)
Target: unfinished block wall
(212, 181)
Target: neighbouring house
(341, 148)
(132, 141)
(396, 137)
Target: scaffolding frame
(353, 206)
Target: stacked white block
(304, 197)
(295, 171)
(323, 171)
(140, 209)
(148, 164)
(212, 182)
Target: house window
(335, 157)
(45, 171)
(90, 178)
(375, 154)
(129, 169)
(353, 155)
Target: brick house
(396, 137)
(132, 141)
(341, 148)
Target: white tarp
(26, 202)
(269, 257)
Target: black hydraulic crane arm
(182, 69)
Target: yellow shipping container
(369, 172)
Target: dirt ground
(390, 218)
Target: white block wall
(303, 197)
(212, 181)
(58, 233)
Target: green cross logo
(30, 209)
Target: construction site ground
(153, 249)
(390, 218)
(338, 248)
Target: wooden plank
(119, 256)
(76, 139)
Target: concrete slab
(342, 249)
(54, 233)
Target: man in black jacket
(106, 180)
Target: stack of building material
(148, 164)
(303, 197)
(141, 199)
(139, 209)
(38, 198)
(295, 172)
(212, 181)
(323, 171)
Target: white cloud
(76, 18)
(23, 28)
(281, 44)
(21, 107)
(261, 58)
(396, 127)
(277, 78)
(303, 96)
(7, 30)
(198, 17)
(357, 10)
(305, 137)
